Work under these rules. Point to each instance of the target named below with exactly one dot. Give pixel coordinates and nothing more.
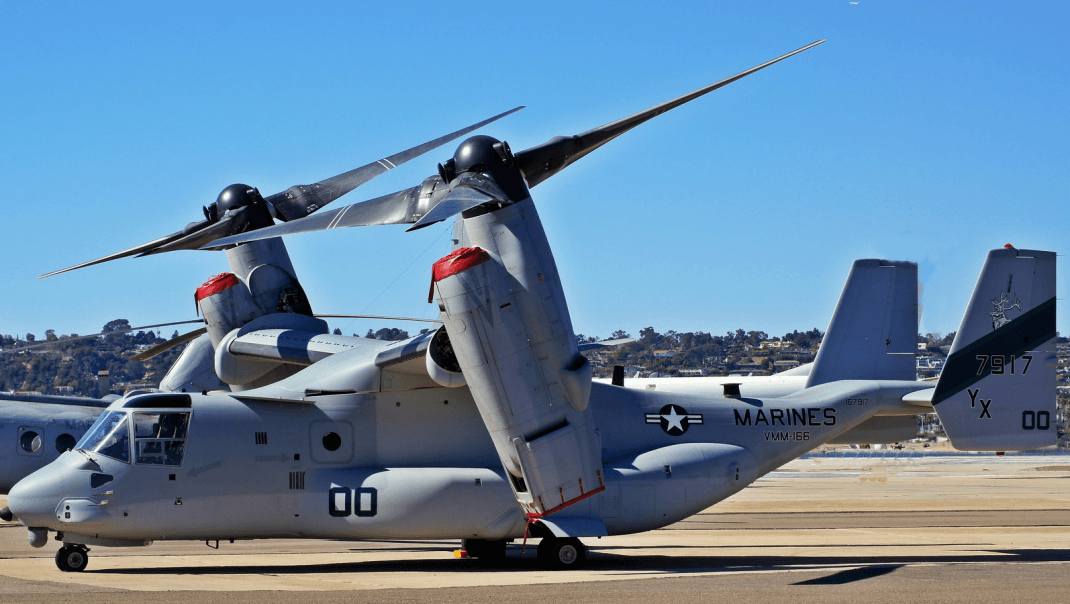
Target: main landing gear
(72, 558)
(558, 553)
(554, 553)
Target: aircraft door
(155, 495)
(30, 442)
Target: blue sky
(920, 131)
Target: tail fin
(997, 390)
(873, 332)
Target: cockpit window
(160, 438)
(110, 436)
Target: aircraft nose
(33, 499)
(25, 502)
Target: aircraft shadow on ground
(862, 567)
(852, 575)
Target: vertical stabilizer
(997, 390)
(873, 332)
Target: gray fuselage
(420, 464)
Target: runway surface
(917, 529)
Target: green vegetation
(72, 363)
(688, 353)
(67, 365)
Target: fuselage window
(160, 438)
(30, 441)
(64, 442)
(110, 437)
(331, 441)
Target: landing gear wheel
(560, 554)
(72, 558)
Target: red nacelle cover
(460, 260)
(215, 285)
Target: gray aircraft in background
(36, 429)
(490, 428)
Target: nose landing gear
(72, 558)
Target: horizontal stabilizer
(920, 398)
(997, 390)
(881, 430)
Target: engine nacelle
(505, 313)
(228, 302)
(442, 363)
(243, 372)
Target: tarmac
(887, 528)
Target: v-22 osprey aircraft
(490, 429)
(42, 427)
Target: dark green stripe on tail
(1024, 333)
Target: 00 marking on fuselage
(343, 502)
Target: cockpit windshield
(110, 436)
(160, 437)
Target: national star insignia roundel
(674, 419)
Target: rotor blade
(139, 249)
(231, 222)
(295, 202)
(103, 333)
(168, 345)
(468, 191)
(537, 164)
(395, 208)
(543, 161)
(302, 200)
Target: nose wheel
(72, 558)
